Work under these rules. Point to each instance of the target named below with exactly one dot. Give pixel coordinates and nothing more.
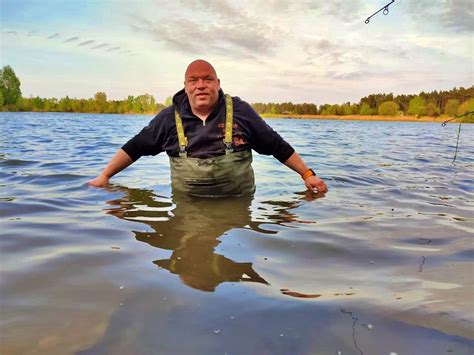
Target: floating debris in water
(122, 287)
(217, 331)
(288, 292)
(372, 262)
(281, 334)
(115, 248)
(370, 326)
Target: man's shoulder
(242, 107)
(167, 112)
(238, 100)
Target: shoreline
(439, 119)
(363, 118)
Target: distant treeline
(435, 103)
(11, 100)
(98, 104)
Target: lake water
(380, 265)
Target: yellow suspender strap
(228, 124)
(183, 142)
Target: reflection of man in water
(192, 231)
(209, 137)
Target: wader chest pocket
(207, 182)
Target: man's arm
(312, 182)
(119, 161)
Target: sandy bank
(363, 118)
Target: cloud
(14, 33)
(216, 7)
(454, 15)
(113, 49)
(231, 31)
(347, 11)
(459, 15)
(55, 35)
(71, 39)
(349, 75)
(102, 45)
(86, 43)
(193, 38)
(331, 53)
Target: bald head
(202, 86)
(199, 65)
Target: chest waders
(230, 174)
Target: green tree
(1, 99)
(416, 106)
(50, 104)
(273, 109)
(365, 109)
(24, 104)
(451, 107)
(145, 103)
(388, 108)
(466, 107)
(101, 101)
(169, 101)
(38, 104)
(64, 105)
(9, 85)
(332, 109)
(431, 110)
(345, 109)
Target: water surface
(382, 264)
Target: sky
(314, 51)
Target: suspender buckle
(182, 151)
(228, 147)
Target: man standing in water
(208, 137)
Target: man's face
(202, 86)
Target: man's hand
(99, 181)
(118, 162)
(315, 183)
(312, 182)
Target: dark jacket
(205, 140)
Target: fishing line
(459, 129)
(385, 11)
